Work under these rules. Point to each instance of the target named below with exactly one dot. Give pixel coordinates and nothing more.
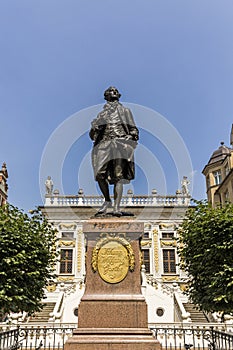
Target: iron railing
(171, 338)
(193, 338)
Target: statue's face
(112, 94)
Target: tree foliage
(27, 257)
(206, 250)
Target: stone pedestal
(113, 313)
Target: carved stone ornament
(164, 226)
(65, 279)
(67, 226)
(66, 243)
(51, 288)
(168, 244)
(170, 278)
(146, 243)
(113, 256)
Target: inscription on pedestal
(109, 226)
(113, 257)
(113, 262)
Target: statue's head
(112, 94)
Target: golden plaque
(113, 262)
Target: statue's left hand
(128, 137)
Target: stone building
(219, 174)
(3, 184)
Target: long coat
(109, 153)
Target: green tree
(206, 251)
(27, 258)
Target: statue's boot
(104, 207)
(116, 211)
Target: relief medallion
(113, 257)
(113, 262)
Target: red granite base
(112, 339)
(112, 314)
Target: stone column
(113, 313)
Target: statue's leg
(118, 191)
(103, 185)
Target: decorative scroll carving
(67, 226)
(79, 251)
(51, 288)
(66, 243)
(147, 227)
(145, 243)
(65, 279)
(168, 243)
(170, 226)
(170, 278)
(156, 250)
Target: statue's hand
(128, 137)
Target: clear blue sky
(57, 57)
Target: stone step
(43, 315)
(196, 315)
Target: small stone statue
(184, 186)
(115, 138)
(49, 186)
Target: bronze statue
(115, 137)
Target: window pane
(146, 259)
(169, 261)
(217, 177)
(66, 261)
(168, 235)
(67, 234)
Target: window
(66, 260)
(217, 177)
(169, 261)
(146, 259)
(146, 235)
(169, 235)
(67, 234)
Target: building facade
(163, 282)
(219, 175)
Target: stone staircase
(43, 315)
(196, 315)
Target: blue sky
(57, 57)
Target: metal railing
(9, 339)
(171, 338)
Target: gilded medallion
(113, 262)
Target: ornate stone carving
(79, 251)
(147, 226)
(168, 243)
(156, 250)
(66, 243)
(67, 226)
(65, 279)
(170, 226)
(113, 256)
(170, 278)
(145, 243)
(51, 288)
